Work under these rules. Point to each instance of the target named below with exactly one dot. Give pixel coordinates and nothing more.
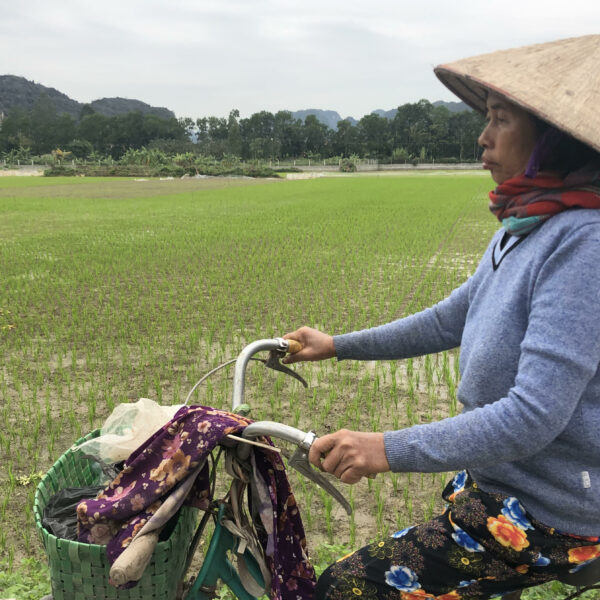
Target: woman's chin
(495, 175)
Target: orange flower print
(203, 426)
(82, 510)
(416, 595)
(171, 470)
(584, 553)
(102, 533)
(111, 486)
(345, 556)
(506, 533)
(137, 503)
(453, 595)
(522, 569)
(136, 529)
(153, 507)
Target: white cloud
(204, 57)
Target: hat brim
(558, 82)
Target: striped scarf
(522, 203)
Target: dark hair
(557, 151)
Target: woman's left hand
(349, 455)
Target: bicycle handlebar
(239, 376)
(303, 440)
(281, 431)
(298, 460)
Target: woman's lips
(488, 164)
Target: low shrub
(215, 169)
(287, 170)
(347, 166)
(60, 171)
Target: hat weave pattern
(558, 82)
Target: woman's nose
(484, 139)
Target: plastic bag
(60, 514)
(128, 426)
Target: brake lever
(272, 362)
(299, 461)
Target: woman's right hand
(316, 345)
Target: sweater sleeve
(559, 355)
(432, 330)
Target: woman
(525, 508)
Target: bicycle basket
(80, 571)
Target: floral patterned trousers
(484, 545)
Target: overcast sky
(206, 57)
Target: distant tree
(257, 135)
(43, 132)
(234, 134)
(15, 130)
(315, 135)
(96, 129)
(346, 139)
(287, 131)
(133, 130)
(202, 138)
(170, 146)
(159, 127)
(464, 130)
(85, 111)
(411, 126)
(189, 126)
(400, 155)
(64, 129)
(440, 119)
(217, 134)
(373, 132)
(80, 148)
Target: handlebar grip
(294, 346)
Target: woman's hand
(315, 345)
(349, 455)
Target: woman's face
(508, 139)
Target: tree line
(418, 131)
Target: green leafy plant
(29, 580)
(347, 166)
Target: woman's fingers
(350, 455)
(316, 345)
(319, 450)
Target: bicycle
(217, 565)
(73, 577)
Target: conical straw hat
(558, 81)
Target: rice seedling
(112, 292)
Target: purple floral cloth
(168, 457)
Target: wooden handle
(294, 346)
(130, 565)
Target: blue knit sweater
(528, 323)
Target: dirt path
(29, 171)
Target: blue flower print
(541, 561)
(463, 584)
(581, 565)
(464, 540)
(458, 483)
(402, 532)
(515, 513)
(402, 578)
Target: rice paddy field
(112, 290)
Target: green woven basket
(80, 571)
